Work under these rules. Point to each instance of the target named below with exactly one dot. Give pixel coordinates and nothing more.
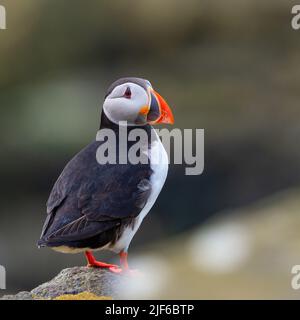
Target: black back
(90, 204)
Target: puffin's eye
(127, 93)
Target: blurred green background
(231, 67)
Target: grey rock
(24, 295)
(75, 280)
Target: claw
(126, 272)
(115, 269)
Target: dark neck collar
(107, 124)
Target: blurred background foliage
(231, 67)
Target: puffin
(95, 205)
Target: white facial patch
(118, 107)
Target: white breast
(159, 164)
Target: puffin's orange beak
(159, 111)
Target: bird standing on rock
(96, 206)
